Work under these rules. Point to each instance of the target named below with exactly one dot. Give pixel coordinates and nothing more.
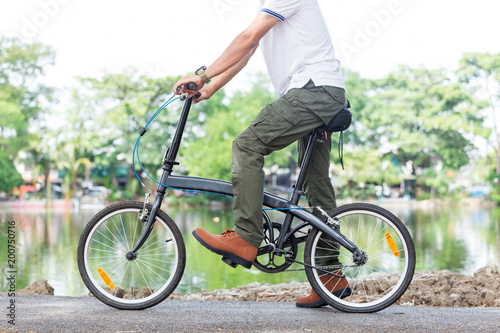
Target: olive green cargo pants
(288, 119)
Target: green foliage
(427, 116)
(10, 177)
(369, 166)
(437, 181)
(424, 196)
(480, 73)
(21, 95)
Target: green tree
(9, 175)
(121, 104)
(424, 117)
(481, 71)
(22, 97)
(22, 100)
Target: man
(301, 62)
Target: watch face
(200, 69)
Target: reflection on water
(457, 238)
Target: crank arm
(271, 248)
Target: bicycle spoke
(163, 269)
(165, 261)
(145, 280)
(161, 277)
(103, 263)
(123, 277)
(112, 233)
(111, 240)
(151, 237)
(118, 231)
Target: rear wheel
(117, 277)
(374, 284)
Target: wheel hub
(131, 256)
(359, 258)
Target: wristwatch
(201, 73)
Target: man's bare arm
(237, 53)
(244, 44)
(221, 80)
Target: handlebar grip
(191, 86)
(198, 94)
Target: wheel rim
(142, 278)
(383, 274)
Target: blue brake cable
(136, 149)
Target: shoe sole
(225, 255)
(317, 304)
(341, 293)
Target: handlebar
(190, 86)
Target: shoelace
(228, 233)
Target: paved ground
(85, 314)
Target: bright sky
(173, 37)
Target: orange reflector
(392, 244)
(106, 278)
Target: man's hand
(184, 83)
(205, 93)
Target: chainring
(270, 262)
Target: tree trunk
(48, 185)
(75, 183)
(497, 154)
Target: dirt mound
(445, 288)
(442, 288)
(39, 287)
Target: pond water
(460, 237)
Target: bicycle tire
(143, 281)
(375, 284)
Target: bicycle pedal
(229, 262)
(269, 248)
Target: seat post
(311, 145)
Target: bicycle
(139, 247)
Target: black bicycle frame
(226, 188)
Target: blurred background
(79, 79)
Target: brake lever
(191, 86)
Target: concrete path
(86, 314)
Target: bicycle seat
(339, 123)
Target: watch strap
(201, 73)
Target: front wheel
(113, 274)
(368, 286)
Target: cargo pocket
(328, 102)
(274, 120)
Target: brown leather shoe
(338, 286)
(234, 249)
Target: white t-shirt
(299, 48)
